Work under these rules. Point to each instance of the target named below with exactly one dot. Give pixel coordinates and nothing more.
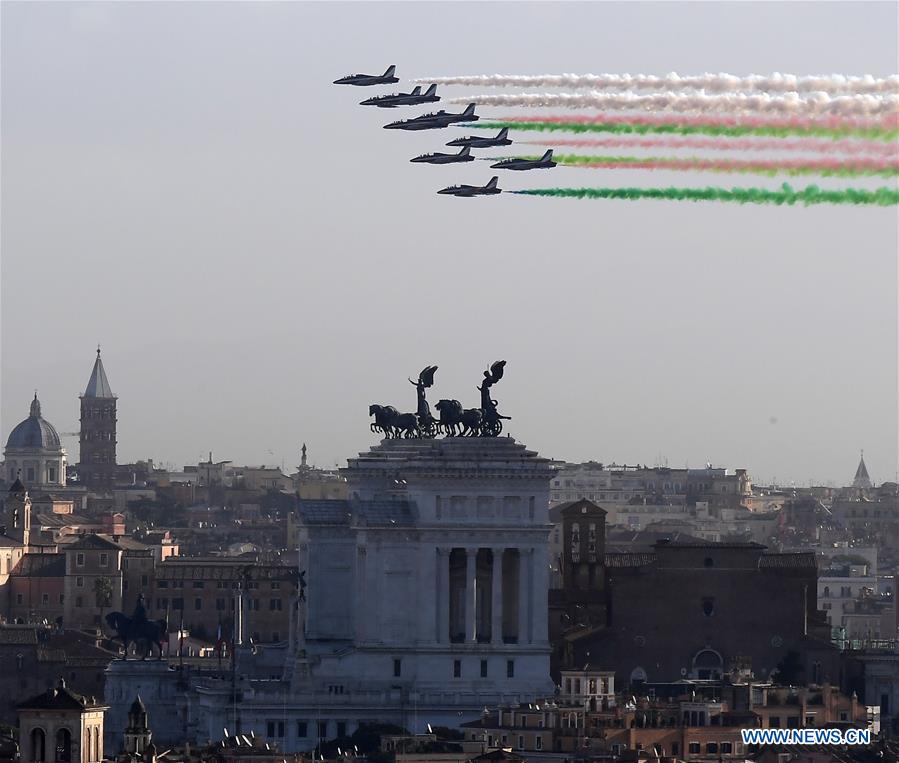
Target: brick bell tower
(97, 459)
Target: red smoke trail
(790, 167)
(890, 122)
(815, 145)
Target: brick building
(696, 610)
(205, 590)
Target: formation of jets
(439, 120)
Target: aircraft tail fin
(492, 182)
(503, 134)
(432, 90)
(469, 110)
(390, 70)
(548, 156)
(465, 151)
(416, 90)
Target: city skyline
(260, 261)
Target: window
(397, 668)
(199, 584)
(302, 729)
(79, 601)
(144, 581)
(457, 668)
(774, 722)
(62, 598)
(20, 599)
(341, 728)
(695, 748)
(275, 585)
(483, 668)
(711, 748)
(322, 729)
(708, 606)
(79, 582)
(104, 559)
(510, 668)
(538, 742)
(162, 583)
(198, 604)
(709, 562)
(219, 604)
(45, 599)
(520, 742)
(275, 604)
(727, 748)
(275, 729)
(178, 603)
(79, 559)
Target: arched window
(63, 746)
(38, 745)
(827, 592)
(707, 665)
(638, 675)
(87, 746)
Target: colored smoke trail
(825, 168)
(809, 145)
(709, 128)
(786, 195)
(883, 123)
(712, 83)
(813, 104)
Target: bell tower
(137, 733)
(97, 459)
(16, 514)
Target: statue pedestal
(157, 684)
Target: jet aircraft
(434, 121)
(386, 78)
(467, 191)
(526, 164)
(403, 99)
(476, 141)
(464, 155)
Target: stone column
(496, 604)
(361, 624)
(443, 595)
(471, 620)
(540, 594)
(524, 610)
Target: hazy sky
(182, 183)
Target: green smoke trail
(875, 133)
(828, 168)
(786, 195)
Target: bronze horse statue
(131, 630)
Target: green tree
(103, 593)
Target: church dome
(34, 432)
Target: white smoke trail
(711, 83)
(812, 104)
